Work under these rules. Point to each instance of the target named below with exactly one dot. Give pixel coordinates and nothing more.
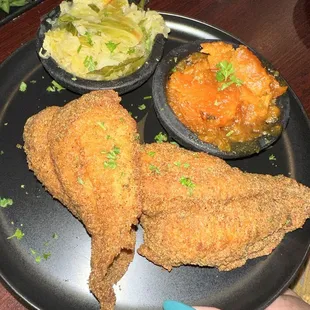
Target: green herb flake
(142, 107)
(109, 137)
(229, 133)
(90, 64)
(46, 256)
(18, 234)
(94, 7)
(226, 75)
(112, 157)
(22, 87)
(161, 137)
(33, 81)
(272, 157)
(187, 182)
(38, 259)
(80, 181)
(186, 165)
(131, 50)
(57, 86)
(111, 46)
(79, 48)
(151, 153)
(147, 97)
(22, 186)
(88, 38)
(154, 169)
(174, 143)
(33, 252)
(74, 78)
(174, 69)
(5, 202)
(55, 236)
(177, 163)
(101, 124)
(51, 89)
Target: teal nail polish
(175, 305)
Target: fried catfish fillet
(91, 146)
(203, 212)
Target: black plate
(61, 281)
(184, 135)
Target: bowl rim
(81, 85)
(183, 135)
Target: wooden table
(278, 29)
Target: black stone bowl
(186, 137)
(82, 86)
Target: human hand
(287, 301)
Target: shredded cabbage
(102, 39)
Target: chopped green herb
(80, 181)
(177, 163)
(18, 234)
(229, 133)
(174, 69)
(22, 86)
(131, 50)
(154, 169)
(161, 137)
(33, 81)
(54, 87)
(187, 182)
(46, 256)
(147, 97)
(174, 143)
(137, 137)
(152, 154)
(19, 146)
(142, 107)
(186, 165)
(22, 186)
(111, 46)
(109, 137)
(33, 252)
(130, 113)
(112, 157)
(79, 48)
(4, 202)
(175, 59)
(90, 64)
(89, 39)
(226, 75)
(272, 157)
(74, 78)
(216, 103)
(101, 124)
(55, 236)
(38, 259)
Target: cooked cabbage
(101, 39)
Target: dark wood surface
(277, 29)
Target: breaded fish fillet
(203, 212)
(92, 143)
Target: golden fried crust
(93, 147)
(37, 149)
(223, 217)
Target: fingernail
(175, 305)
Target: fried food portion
(203, 212)
(89, 148)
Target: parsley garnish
(147, 97)
(79, 48)
(229, 133)
(55, 236)
(154, 169)
(226, 75)
(161, 137)
(18, 234)
(152, 154)
(111, 46)
(112, 156)
(177, 163)
(90, 64)
(101, 124)
(22, 86)
(80, 181)
(187, 182)
(94, 7)
(272, 157)
(131, 50)
(88, 37)
(142, 107)
(4, 202)
(54, 87)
